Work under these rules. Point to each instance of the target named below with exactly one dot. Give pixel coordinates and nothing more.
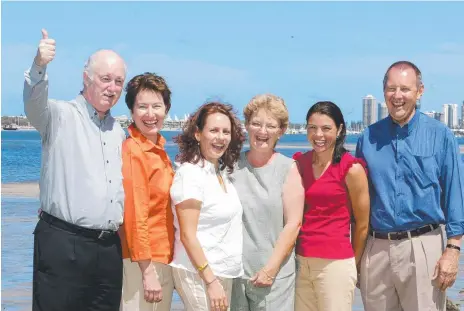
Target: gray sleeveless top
(260, 192)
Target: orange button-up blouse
(148, 229)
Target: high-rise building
(462, 115)
(382, 111)
(450, 115)
(445, 114)
(369, 110)
(454, 116)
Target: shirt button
(111, 201)
(110, 181)
(397, 214)
(40, 72)
(107, 161)
(104, 143)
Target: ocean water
(21, 152)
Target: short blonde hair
(271, 103)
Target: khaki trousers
(132, 288)
(325, 284)
(397, 275)
(192, 289)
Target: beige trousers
(132, 288)
(192, 290)
(397, 275)
(325, 284)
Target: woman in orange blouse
(147, 234)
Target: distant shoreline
(180, 130)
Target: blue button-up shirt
(416, 176)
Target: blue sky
(301, 51)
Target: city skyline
(449, 116)
(374, 111)
(224, 50)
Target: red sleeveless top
(325, 232)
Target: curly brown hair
(147, 81)
(189, 149)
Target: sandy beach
(22, 190)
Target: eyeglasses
(270, 128)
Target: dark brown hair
(331, 110)
(147, 81)
(189, 149)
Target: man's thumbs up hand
(44, 34)
(45, 51)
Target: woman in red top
(336, 189)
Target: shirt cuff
(37, 73)
(454, 228)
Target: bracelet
(270, 277)
(453, 246)
(203, 267)
(209, 283)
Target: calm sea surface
(21, 152)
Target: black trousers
(75, 272)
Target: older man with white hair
(77, 251)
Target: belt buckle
(104, 234)
(395, 236)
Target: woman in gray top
(272, 195)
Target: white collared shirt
(219, 228)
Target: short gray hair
(406, 64)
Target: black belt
(403, 234)
(66, 226)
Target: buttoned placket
(105, 155)
(400, 168)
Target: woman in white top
(207, 210)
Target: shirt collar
(143, 141)
(408, 127)
(209, 166)
(93, 114)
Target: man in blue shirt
(416, 179)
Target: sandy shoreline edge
(21, 190)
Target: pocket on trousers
(55, 251)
